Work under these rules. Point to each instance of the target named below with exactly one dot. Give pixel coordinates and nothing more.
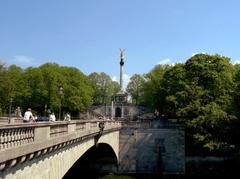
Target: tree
(104, 88)
(4, 88)
(174, 85)
(134, 88)
(18, 84)
(51, 78)
(34, 89)
(201, 93)
(154, 95)
(209, 89)
(77, 89)
(115, 87)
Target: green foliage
(203, 93)
(173, 84)
(104, 88)
(135, 88)
(5, 87)
(154, 94)
(38, 87)
(77, 89)
(211, 126)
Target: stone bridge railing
(22, 142)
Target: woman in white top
(28, 116)
(52, 117)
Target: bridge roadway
(50, 149)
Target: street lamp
(60, 92)
(10, 109)
(45, 110)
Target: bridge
(54, 149)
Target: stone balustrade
(16, 136)
(22, 142)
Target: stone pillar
(122, 111)
(121, 77)
(112, 110)
(71, 127)
(41, 133)
(121, 68)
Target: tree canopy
(203, 93)
(37, 87)
(104, 87)
(135, 88)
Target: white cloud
(236, 62)
(195, 53)
(2, 62)
(164, 61)
(114, 78)
(23, 60)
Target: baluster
(18, 142)
(1, 139)
(12, 132)
(32, 132)
(18, 134)
(21, 134)
(25, 133)
(15, 143)
(28, 135)
(14, 135)
(5, 137)
(9, 136)
(31, 140)
(5, 145)
(2, 136)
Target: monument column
(121, 67)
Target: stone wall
(129, 111)
(48, 150)
(57, 163)
(152, 148)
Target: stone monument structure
(120, 99)
(121, 67)
(120, 108)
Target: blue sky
(87, 34)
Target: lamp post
(10, 109)
(60, 92)
(45, 110)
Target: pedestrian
(52, 117)
(28, 116)
(18, 112)
(67, 117)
